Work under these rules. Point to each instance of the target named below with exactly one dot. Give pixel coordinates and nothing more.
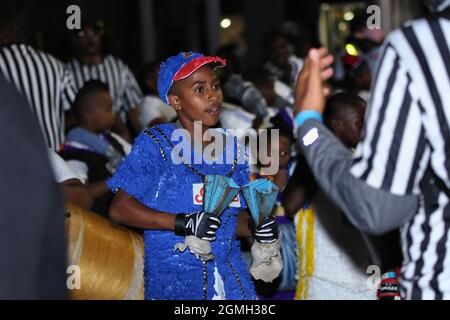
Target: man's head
(344, 115)
(276, 48)
(12, 21)
(148, 78)
(94, 106)
(88, 40)
(189, 84)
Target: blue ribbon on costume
(261, 195)
(219, 192)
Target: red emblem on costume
(187, 54)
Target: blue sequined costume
(149, 175)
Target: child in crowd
(279, 58)
(283, 145)
(160, 190)
(91, 149)
(284, 286)
(344, 115)
(332, 258)
(152, 109)
(279, 108)
(264, 81)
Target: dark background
(177, 24)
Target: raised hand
(310, 90)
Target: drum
(109, 257)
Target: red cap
(195, 64)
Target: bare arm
(128, 211)
(76, 192)
(133, 117)
(97, 189)
(121, 129)
(242, 229)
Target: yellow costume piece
(305, 245)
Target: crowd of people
(108, 136)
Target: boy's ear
(175, 102)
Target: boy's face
(198, 98)
(280, 51)
(282, 150)
(349, 126)
(102, 111)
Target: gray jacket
(371, 210)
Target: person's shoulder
(115, 60)
(72, 63)
(411, 36)
(418, 25)
(48, 56)
(164, 127)
(153, 140)
(29, 50)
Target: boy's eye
(216, 86)
(199, 90)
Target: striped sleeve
(39, 77)
(394, 150)
(68, 90)
(132, 92)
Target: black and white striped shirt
(406, 133)
(45, 82)
(115, 73)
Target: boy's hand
(267, 232)
(310, 90)
(281, 178)
(200, 224)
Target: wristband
(180, 225)
(307, 114)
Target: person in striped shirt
(39, 76)
(91, 64)
(399, 175)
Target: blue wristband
(307, 114)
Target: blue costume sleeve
(141, 170)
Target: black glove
(200, 224)
(267, 232)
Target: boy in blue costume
(165, 198)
